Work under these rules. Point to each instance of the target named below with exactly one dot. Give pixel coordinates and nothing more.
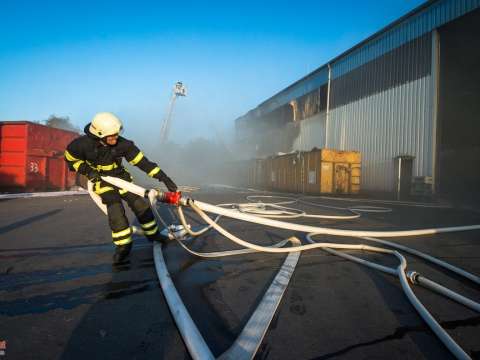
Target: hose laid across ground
(324, 230)
(243, 212)
(454, 348)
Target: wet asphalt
(61, 297)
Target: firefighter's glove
(94, 176)
(171, 186)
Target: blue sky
(76, 58)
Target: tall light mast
(178, 90)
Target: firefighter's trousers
(121, 231)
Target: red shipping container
(31, 157)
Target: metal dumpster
(31, 157)
(316, 171)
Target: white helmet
(105, 124)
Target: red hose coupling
(171, 197)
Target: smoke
(200, 149)
(263, 139)
(198, 162)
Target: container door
(311, 173)
(342, 178)
(268, 173)
(273, 174)
(326, 176)
(55, 173)
(12, 155)
(282, 169)
(355, 173)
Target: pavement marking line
(249, 340)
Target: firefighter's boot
(121, 253)
(158, 237)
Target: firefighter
(100, 153)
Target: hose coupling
(185, 201)
(413, 276)
(170, 197)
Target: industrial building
(410, 91)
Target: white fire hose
(259, 213)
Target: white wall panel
(395, 122)
(312, 133)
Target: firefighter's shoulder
(84, 139)
(125, 145)
(79, 144)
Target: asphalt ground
(61, 298)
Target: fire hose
(259, 214)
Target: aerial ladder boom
(178, 90)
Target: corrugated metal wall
(384, 109)
(394, 122)
(401, 65)
(311, 134)
(391, 123)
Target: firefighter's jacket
(86, 153)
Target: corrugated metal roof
(307, 84)
(419, 21)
